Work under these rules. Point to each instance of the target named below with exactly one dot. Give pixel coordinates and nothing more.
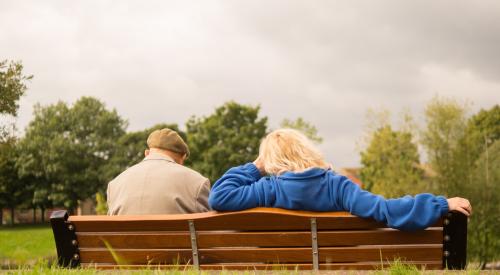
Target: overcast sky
(325, 61)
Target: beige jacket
(158, 185)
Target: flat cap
(168, 139)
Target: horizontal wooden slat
(325, 238)
(268, 221)
(276, 255)
(146, 240)
(259, 219)
(128, 256)
(428, 265)
(254, 219)
(146, 224)
(140, 240)
(328, 255)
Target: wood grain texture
(136, 257)
(254, 219)
(145, 240)
(265, 255)
(134, 240)
(326, 254)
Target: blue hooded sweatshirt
(316, 189)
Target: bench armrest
(455, 241)
(65, 237)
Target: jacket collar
(158, 156)
(309, 173)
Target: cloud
(326, 61)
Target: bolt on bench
(259, 238)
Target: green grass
(25, 244)
(26, 248)
(396, 268)
(43, 268)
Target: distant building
(352, 173)
(86, 207)
(429, 173)
(22, 216)
(27, 216)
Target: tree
(13, 191)
(464, 153)
(12, 86)
(231, 136)
(445, 128)
(484, 194)
(66, 148)
(482, 130)
(303, 126)
(478, 157)
(33, 174)
(390, 163)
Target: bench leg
(65, 237)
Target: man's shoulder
(193, 174)
(125, 173)
(168, 168)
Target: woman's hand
(258, 163)
(460, 205)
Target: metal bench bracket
(194, 244)
(314, 237)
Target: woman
(300, 179)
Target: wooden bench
(260, 238)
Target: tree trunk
(12, 215)
(43, 214)
(34, 214)
(1, 216)
(71, 210)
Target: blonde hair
(289, 150)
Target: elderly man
(159, 184)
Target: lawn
(24, 244)
(28, 247)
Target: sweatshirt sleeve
(405, 213)
(241, 187)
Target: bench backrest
(260, 238)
